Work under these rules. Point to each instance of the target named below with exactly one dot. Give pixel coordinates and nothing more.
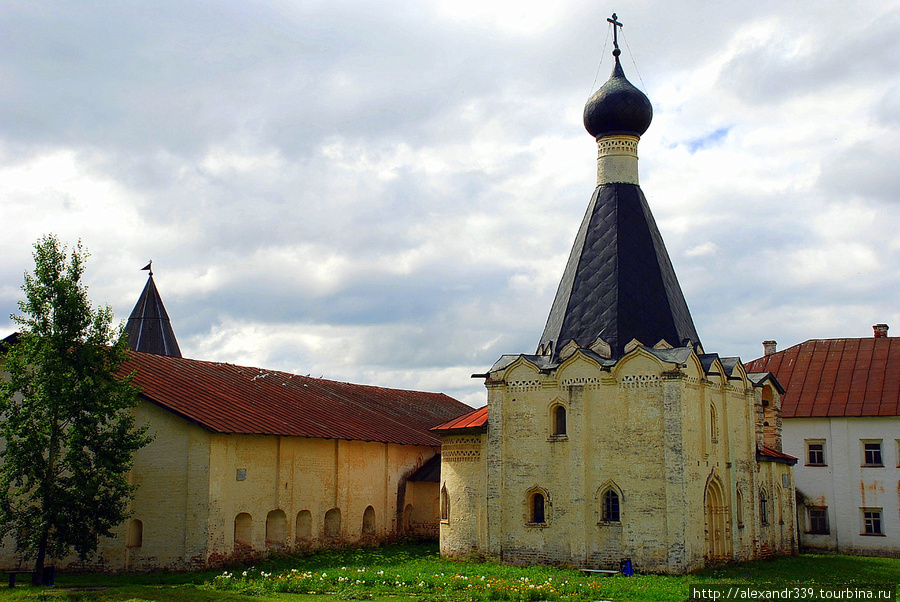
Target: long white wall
(845, 485)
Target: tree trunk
(38, 575)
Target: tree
(66, 415)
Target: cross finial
(616, 24)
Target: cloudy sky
(386, 192)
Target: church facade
(619, 438)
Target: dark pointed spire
(619, 284)
(148, 328)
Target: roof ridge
(293, 374)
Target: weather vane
(616, 25)
(149, 267)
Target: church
(620, 437)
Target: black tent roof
(149, 328)
(619, 283)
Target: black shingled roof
(619, 283)
(148, 328)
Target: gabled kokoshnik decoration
(619, 284)
(149, 328)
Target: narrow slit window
(537, 509)
(559, 421)
(611, 509)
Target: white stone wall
(844, 485)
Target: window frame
(559, 417)
(873, 461)
(532, 512)
(823, 520)
(537, 507)
(606, 507)
(822, 459)
(872, 526)
(763, 507)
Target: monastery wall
(206, 498)
(170, 524)
(273, 493)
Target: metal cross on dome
(616, 24)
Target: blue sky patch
(708, 140)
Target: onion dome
(617, 107)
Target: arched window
(445, 504)
(368, 526)
(559, 421)
(537, 509)
(134, 534)
(276, 528)
(713, 424)
(407, 518)
(243, 530)
(610, 507)
(763, 507)
(304, 525)
(333, 523)
(739, 508)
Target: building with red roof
(841, 415)
(245, 461)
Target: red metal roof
(225, 398)
(476, 419)
(768, 452)
(837, 377)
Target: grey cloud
(772, 72)
(865, 169)
(146, 93)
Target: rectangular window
(818, 520)
(815, 453)
(872, 453)
(872, 523)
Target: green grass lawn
(415, 572)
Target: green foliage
(418, 572)
(68, 431)
(425, 577)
